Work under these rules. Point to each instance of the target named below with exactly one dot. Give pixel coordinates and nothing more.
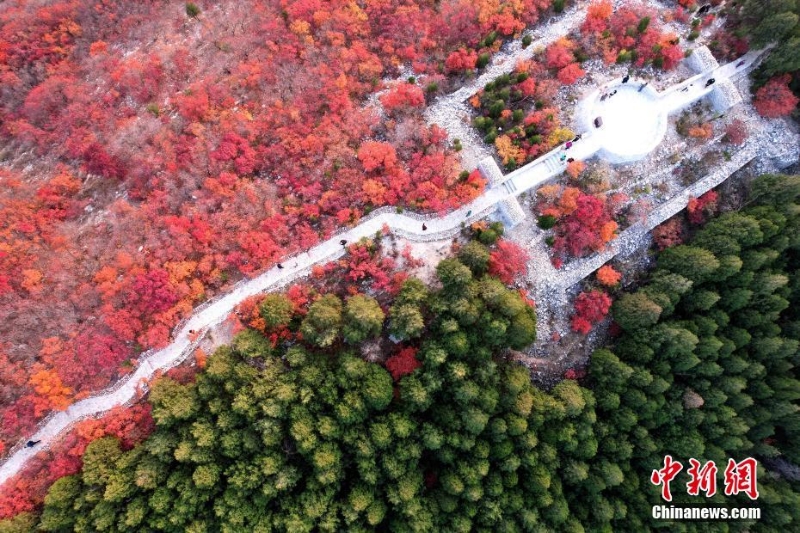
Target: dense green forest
(775, 22)
(305, 438)
(706, 367)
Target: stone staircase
(553, 165)
(509, 186)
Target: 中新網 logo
(738, 477)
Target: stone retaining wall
(491, 171)
(511, 212)
(701, 59)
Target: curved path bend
(208, 315)
(214, 312)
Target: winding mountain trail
(409, 226)
(214, 312)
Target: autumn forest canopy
(154, 153)
(452, 435)
(171, 150)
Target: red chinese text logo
(702, 478)
(665, 475)
(738, 477)
(741, 477)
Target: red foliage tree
(374, 155)
(572, 373)
(461, 60)
(20, 417)
(593, 305)
(590, 308)
(681, 14)
(403, 96)
(669, 233)
(558, 55)
(102, 352)
(365, 264)
(57, 195)
(671, 55)
(237, 149)
(100, 162)
(736, 132)
(570, 74)
(775, 99)
(300, 296)
(194, 104)
(507, 261)
(699, 208)
(152, 292)
(586, 228)
(597, 15)
(527, 87)
(728, 45)
(624, 26)
(403, 363)
(580, 325)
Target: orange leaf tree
(607, 276)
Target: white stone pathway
(214, 312)
(452, 112)
(599, 142)
(403, 225)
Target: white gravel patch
(633, 121)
